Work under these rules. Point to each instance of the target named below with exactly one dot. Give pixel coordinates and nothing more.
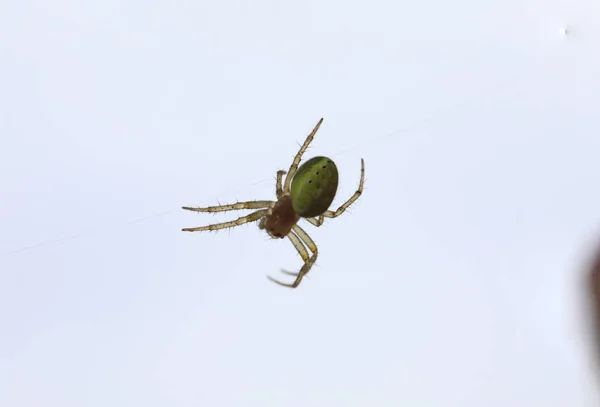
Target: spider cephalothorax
(307, 193)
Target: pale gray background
(454, 281)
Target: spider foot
(293, 285)
(289, 273)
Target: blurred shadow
(593, 288)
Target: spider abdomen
(314, 187)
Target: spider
(307, 193)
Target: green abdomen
(314, 187)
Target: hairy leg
(298, 238)
(254, 216)
(316, 221)
(298, 157)
(232, 207)
(345, 205)
(278, 188)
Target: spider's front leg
(278, 185)
(232, 207)
(254, 216)
(298, 236)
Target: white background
(454, 281)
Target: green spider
(306, 193)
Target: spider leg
(353, 198)
(298, 236)
(298, 157)
(316, 221)
(278, 188)
(239, 221)
(232, 207)
(301, 250)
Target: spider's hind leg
(298, 157)
(316, 221)
(350, 201)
